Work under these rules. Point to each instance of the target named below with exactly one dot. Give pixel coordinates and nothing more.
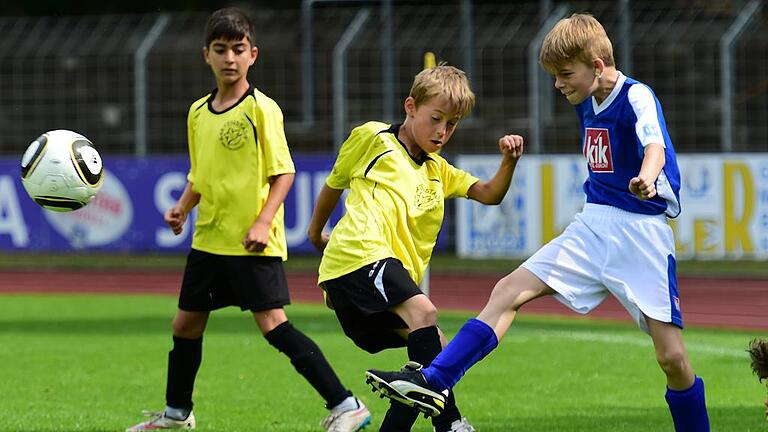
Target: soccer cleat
(159, 422)
(461, 425)
(409, 387)
(348, 421)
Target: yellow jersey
(395, 206)
(233, 154)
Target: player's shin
(423, 346)
(183, 363)
(471, 344)
(688, 408)
(309, 361)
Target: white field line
(641, 340)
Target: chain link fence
(80, 72)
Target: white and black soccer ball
(61, 170)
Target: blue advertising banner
(127, 214)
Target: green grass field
(92, 363)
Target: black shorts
(214, 281)
(362, 299)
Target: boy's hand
(511, 146)
(175, 218)
(642, 188)
(319, 242)
(257, 238)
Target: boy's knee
(188, 326)
(186, 329)
(672, 361)
(425, 316)
(268, 320)
(417, 312)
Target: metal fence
(127, 81)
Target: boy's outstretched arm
(177, 215)
(326, 202)
(644, 185)
(494, 190)
(258, 236)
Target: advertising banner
(724, 206)
(127, 214)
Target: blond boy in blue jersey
(376, 256)
(241, 170)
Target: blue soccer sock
(471, 344)
(688, 408)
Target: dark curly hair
(758, 352)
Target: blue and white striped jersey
(614, 135)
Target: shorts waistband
(607, 211)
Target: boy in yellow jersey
(376, 256)
(241, 171)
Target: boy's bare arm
(176, 216)
(644, 185)
(494, 190)
(258, 235)
(326, 202)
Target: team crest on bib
(597, 150)
(426, 198)
(233, 134)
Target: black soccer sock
(399, 418)
(183, 362)
(423, 347)
(309, 361)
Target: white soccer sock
(176, 413)
(348, 404)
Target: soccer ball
(61, 170)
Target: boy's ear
(599, 66)
(254, 55)
(409, 105)
(205, 55)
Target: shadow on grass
(621, 419)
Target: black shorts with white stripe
(362, 300)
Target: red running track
(706, 302)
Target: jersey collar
(394, 129)
(614, 93)
(209, 102)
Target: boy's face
(576, 81)
(230, 59)
(432, 123)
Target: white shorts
(606, 249)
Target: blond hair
(579, 37)
(447, 81)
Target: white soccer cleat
(348, 421)
(461, 426)
(160, 422)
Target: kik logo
(597, 150)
